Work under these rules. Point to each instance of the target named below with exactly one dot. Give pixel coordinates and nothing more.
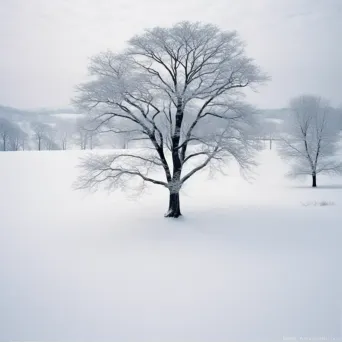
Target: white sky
(45, 44)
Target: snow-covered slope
(248, 261)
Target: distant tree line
(55, 134)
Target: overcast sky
(45, 44)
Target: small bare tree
(81, 134)
(64, 137)
(311, 140)
(86, 133)
(179, 88)
(41, 131)
(6, 129)
(269, 131)
(11, 135)
(50, 141)
(64, 131)
(18, 140)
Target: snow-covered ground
(259, 261)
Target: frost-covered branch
(311, 140)
(175, 87)
(116, 170)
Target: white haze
(45, 45)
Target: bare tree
(81, 134)
(12, 137)
(269, 130)
(86, 133)
(50, 139)
(64, 137)
(180, 88)
(92, 139)
(40, 132)
(312, 137)
(18, 140)
(64, 131)
(6, 129)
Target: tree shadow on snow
(324, 187)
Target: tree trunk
(314, 184)
(174, 206)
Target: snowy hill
(248, 262)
